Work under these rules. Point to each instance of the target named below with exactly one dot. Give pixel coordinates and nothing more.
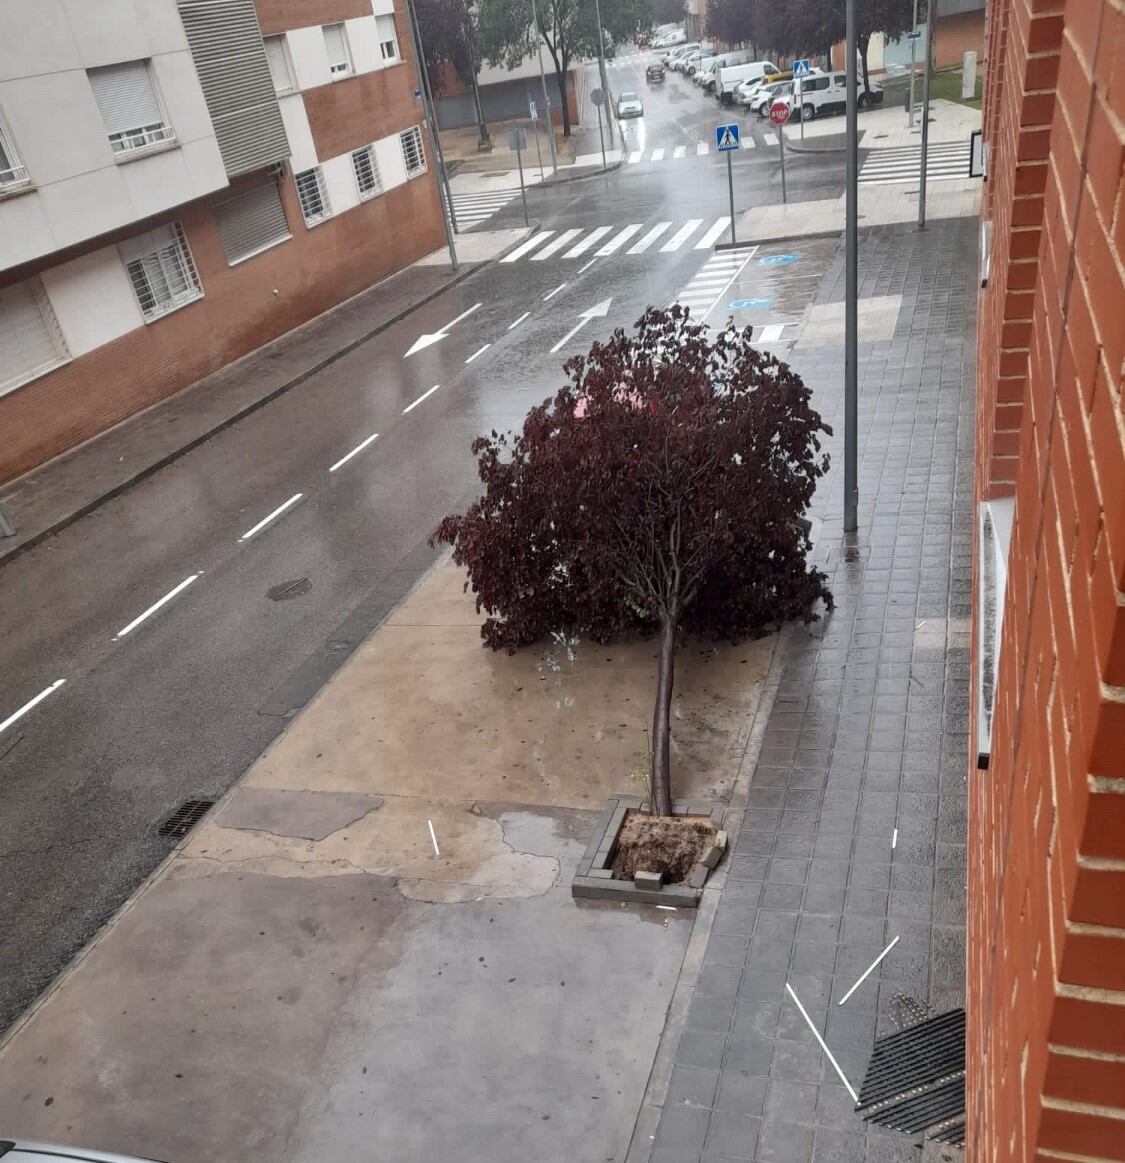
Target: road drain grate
(184, 818)
(915, 1080)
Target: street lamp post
(601, 67)
(851, 286)
(931, 17)
(546, 97)
(913, 63)
(449, 216)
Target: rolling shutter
(251, 222)
(125, 96)
(230, 58)
(29, 336)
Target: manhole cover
(184, 818)
(289, 589)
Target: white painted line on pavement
(657, 155)
(679, 151)
(594, 236)
(702, 149)
(519, 320)
(682, 235)
(771, 333)
(635, 156)
(31, 704)
(479, 351)
(552, 294)
(529, 245)
(770, 138)
(867, 972)
(423, 396)
(748, 142)
(433, 838)
(569, 335)
(556, 244)
(894, 839)
(156, 606)
(718, 228)
(668, 908)
(648, 239)
(619, 239)
(272, 517)
(463, 315)
(355, 451)
(816, 1035)
(588, 265)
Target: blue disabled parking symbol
(747, 304)
(778, 260)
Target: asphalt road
(157, 709)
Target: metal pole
(601, 67)
(781, 142)
(449, 220)
(601, 135)
(913, 63)
(523, 190)
(730, 188)
(931, 8)
(538, 149)
(851, 286)
(546, 98)
(801, 103)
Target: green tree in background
(449, 37)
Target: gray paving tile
(741, 1093)
(694, 1085)
(732, 1135)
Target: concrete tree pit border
(594, 877)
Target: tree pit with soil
(670, 845)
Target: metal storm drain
(184, 818)
(915, 1080)
(289, 589)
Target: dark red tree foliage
(660, 491)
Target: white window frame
(366, 158)
(158, 241)
(287, 60)
(130, 143)
(62, 352)
(414, 133)
(314, 174)
(15, 176)
(339, 70)
(393, 57)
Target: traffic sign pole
(730, 188)
(517, 140)
(728, 138)
(781, 142)
(538, 148)
(598, 98)
(779, 115)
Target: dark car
(654, 73)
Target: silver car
(22, 1151)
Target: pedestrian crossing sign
(726, 138)
(801, 67)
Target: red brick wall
(282, 15)
(1046, 965)
(315, 270)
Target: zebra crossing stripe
(748, 142)
(528, 246)
(679, 151)
(771, 333)
(620, 238)
(702, 149)
(588, 241)
(657, 155)
(648, 239)
(682, 235)
(769, 138)
(635, 156)
(712, 236)
(556, 244)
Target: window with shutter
(129, 106)
(336, 42)
(412, 152)
(313, 195)
(252, 223)
(12, 174)
(367, 176)
(281, 67)
(161, 270)
(29, 335)
(388, 41)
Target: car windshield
(629, 97)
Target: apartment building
(182, 181)
(1046, 890)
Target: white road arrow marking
(598, 311)
(424, 341)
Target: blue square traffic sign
(727, 138)
(801, 67)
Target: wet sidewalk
(854, 834)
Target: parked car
(823, 93)
(654, 73)
(768, 94)
(22, 1151)
(727, 80)
(682, 50)
(629, 105)
(691, 65)
(746, 92)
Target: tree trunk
(662, 719)
(560, 77)
(484, 138)
(864, 41)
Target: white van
(729, 79)
(705, 75)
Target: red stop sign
(779, 113)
